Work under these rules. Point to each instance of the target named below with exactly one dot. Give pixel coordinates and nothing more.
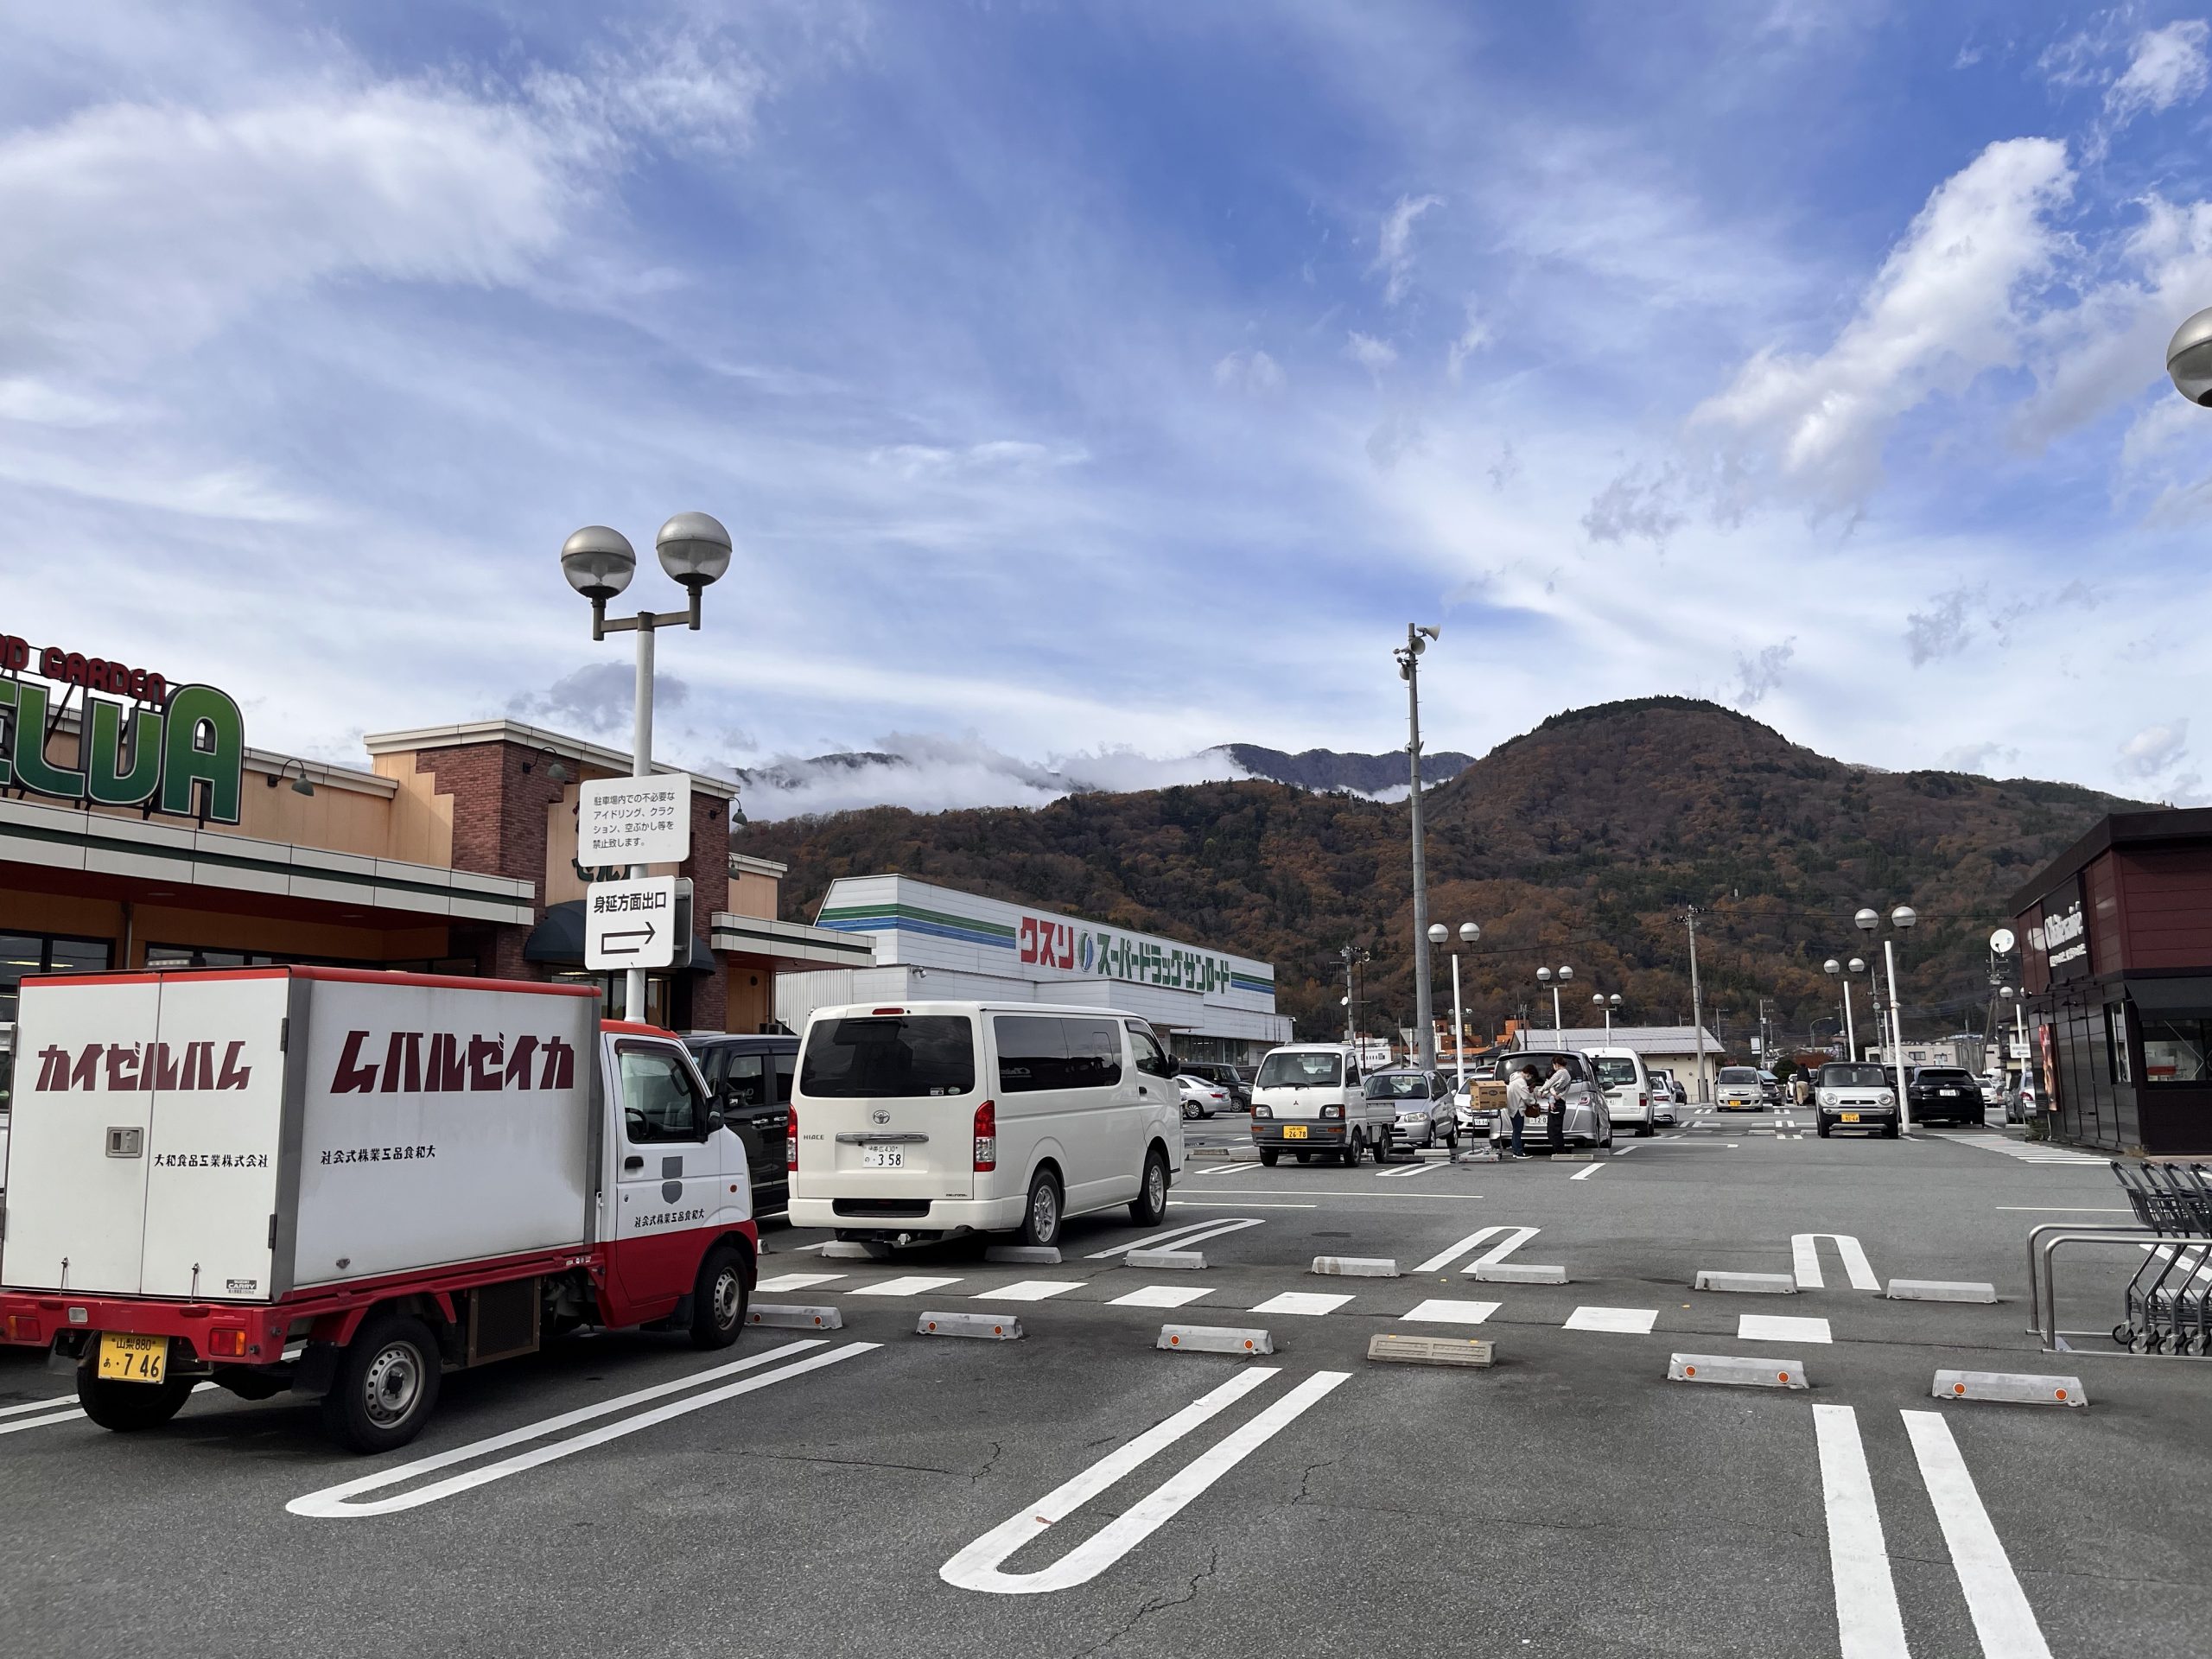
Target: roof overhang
(787, 945)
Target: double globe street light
(1609, 1005)
(695, 551)
(2189, 359)
(1900, 919)
(1437, 933)
(1545, 976)
(1835, 970)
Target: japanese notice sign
(629, 924)
(634, 820)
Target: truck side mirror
(714, 1120)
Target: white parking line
(797, 1281)
(54, 1404)
(1805, 1257)
(978, 1565)
(1867, 1620)
(1160, 1296)
(1409, 1171)
(336, 1503)
(1029, 1290)
(1624, 1321)
(1780, 1327)
(1175, 1238)
(1585, 1174)
(23, 1423)
(1443, 1311)
(912, 1285)
(2002, 1617)
(1516, 1237)
(1236, 1167)
(1303, 1302)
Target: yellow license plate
(134, 1359)
(1293, 1132)
(1851, 1118)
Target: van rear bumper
(938, 1217)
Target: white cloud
(1472, 338)
(2155, 749)
(918, 461)
(1757, 676)
(1983, 757)
(931, 773)
(597, 698)
(1640, 502)
(1394, 253)
(1943, 309)
(1944, 629)
(1249, 371)
(2168, 65)
(1372, 354)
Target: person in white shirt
(1520, 1090)
(1553, 1097)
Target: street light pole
(1469, 932)
(695, 551)
(1408, 656)
(1901, 919)
(1697, 1007)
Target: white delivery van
(346, 1183)
(915, 1122)
(1631, 1097)
(1308, 1100)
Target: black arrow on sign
(644, 934)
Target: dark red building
(2117, 952)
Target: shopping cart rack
(2169, 1299)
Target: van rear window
(1615, 1072)
(910, 1057)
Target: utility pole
(1697, 1006)
(1408, 656)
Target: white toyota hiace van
(1308, 1100)
(913, 1123)
(1632, 1098)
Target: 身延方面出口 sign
(143, 742)
(634, 820)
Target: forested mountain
(1579, 843)
(1327, 769)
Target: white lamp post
(695, 551)
(1835, 969)
(1900, 919)
(1607, 1006)
(1468, 934)
(1545, 976)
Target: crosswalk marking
(1160, 1296)
(1302, 1302)
(1235, 1166)
(1444, 1311)
(797, 1281)
(2002, 1617)
(1805, 1256)
(1780, 1327)
(1866, 1616)
(1409, 1170)
(1625, 1321)
(908, 1287)
(1180, 1239)
(1029, 1290)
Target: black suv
(1947, 1094)
(1227, 1076)
(749, 1082)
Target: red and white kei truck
(345, 1183)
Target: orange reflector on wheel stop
(1961, 1388)
(1689, 1370)
(1782, 1377)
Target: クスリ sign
(634, 820)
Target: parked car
(1947, 1094)
(749, 1082)
(1993, 1087)
(1236, 1083)
(1771, 1087)
(956, 1117)
(1308, 1099)
(1423, 1103)
(1740, 1090)
(1202, 1097)
(1852, 1095)
(1630, 1096)
(1586, 1123)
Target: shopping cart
(2169, 1301)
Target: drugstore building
(138, 828)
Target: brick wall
(499, 829)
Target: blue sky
(1092, 384)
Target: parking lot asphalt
(868, 1490)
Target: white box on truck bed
(239, 1138)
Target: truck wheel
(1383, 1148)
(1267, 1157)
(1040, 1216)
(386, 1386)
(1149, 1207)
(718, 1298)
(126, 1408)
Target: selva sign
(143, 742)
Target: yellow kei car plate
(1293, 1132)
(134, 1359)
(1851, 1118)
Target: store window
(2174, 1049)
(23, 955)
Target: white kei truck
(346, 1182)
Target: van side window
(658, 1101)
(1040, 1052)
(1151, 1059)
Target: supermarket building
(139, 830)
(929, 942)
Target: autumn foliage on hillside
(1580, 843)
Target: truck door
(668, 1176)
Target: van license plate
(134, 1359)
(1293, 1132)
(1851, 1118)
(883, 1158)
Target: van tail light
(791, 1139)
(1332, 1111)
(227, 1342)
(23, 1327)
(987, 1138)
